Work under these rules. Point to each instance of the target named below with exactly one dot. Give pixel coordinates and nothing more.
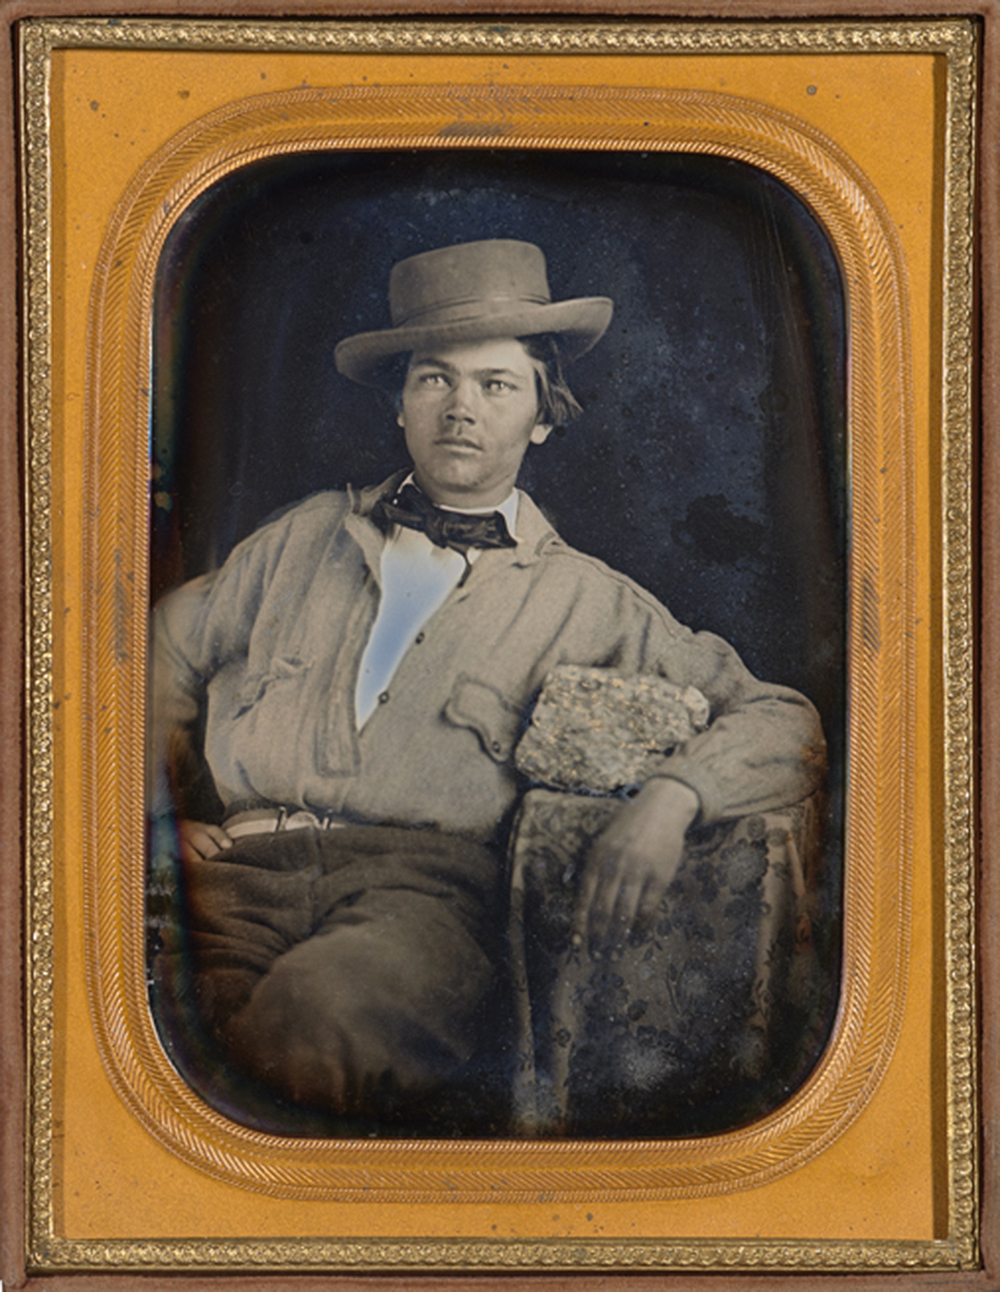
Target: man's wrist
(683, 799)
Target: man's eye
(497, 386)
(433, 379)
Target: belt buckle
(302, 819)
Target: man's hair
(557, 405)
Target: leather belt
(277, 820)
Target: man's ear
(399, 419)
(540, 433)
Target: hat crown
(470, 279)
(467, 293)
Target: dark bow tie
(454, 529)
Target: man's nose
(460, 404)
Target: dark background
(710, 460)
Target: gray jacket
(273, 642)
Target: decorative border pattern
(445, 36)
(958, 656)
(40, 778)
(248, 1256)
(827, 179)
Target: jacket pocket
(279, 670)
(496, 720)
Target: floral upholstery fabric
(704, 1023)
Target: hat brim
(579, 324)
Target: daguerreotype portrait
(497, 653)
(499, 530)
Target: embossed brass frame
(882, 729)
(877, 895)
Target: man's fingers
(648, 907)
(200, 841)
(623, 912)
(584, 900)
(203, 845)
(599, 869)
(635, 908)
(612, 906)
(193, 850)
(599, 917)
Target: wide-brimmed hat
(473, 291)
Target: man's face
(469, 413)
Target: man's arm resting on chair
(631, 864)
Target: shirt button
(419, 638)
(384, 698)
(496, 746)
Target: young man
(365, 665)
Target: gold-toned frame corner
(881, 732)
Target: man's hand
(631, 864)
(200, 841)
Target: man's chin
(455, 488)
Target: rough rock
(594, 730)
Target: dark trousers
(345, 972)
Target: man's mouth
(448, 442)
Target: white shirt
(417, 577)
